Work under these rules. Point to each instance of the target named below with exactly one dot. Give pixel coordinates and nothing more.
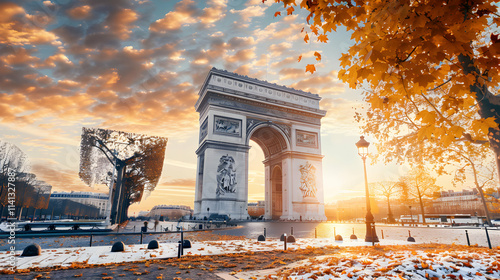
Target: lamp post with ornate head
(371, 235)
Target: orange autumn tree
(430, 70)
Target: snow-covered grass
(400, 262)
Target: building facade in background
(98, 200)
(462, 202)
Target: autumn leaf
(314, 29)
(323, 38)
(317, 55)
(310, 68)
(290, 10)
(300, 58)
(306, 38)
(277, 14)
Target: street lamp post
(371, 234)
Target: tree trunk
(390, 217)
(488, 104)
(122, 203)
(20, 213)
(34, 214)
(421, 206)
(120, 168)
(123, 213)
(487, 212)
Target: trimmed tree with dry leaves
(137, 161)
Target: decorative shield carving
(308, 180)
(226, 175)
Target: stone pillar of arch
(284, 122)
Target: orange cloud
(53, 60)
(250, 12)
(241, 56)
(19, 28)
(215, 10)
(277, 50)
(61, 179)
(8, 10)
(19, 56)
(180, 183)
(120, 22)
(319, 84)
(291, 73)
(285, 29)
(182, 15)
(80, 12)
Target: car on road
(219, 217)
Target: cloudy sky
(137, 66)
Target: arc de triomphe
(284, 122)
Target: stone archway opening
(274, 145)
(256, 181)
(276, 193)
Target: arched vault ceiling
(270, 140)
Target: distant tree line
(30, 192)
(65, 208)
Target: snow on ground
(396, 263)
(103, 254)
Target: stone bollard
(338, 238)
(32, 250)
(118, 247)
(353, 236)
(283, 236)
(410, 239)
(186, 244)
(153, 244)
(290, 239)
(261, 238)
